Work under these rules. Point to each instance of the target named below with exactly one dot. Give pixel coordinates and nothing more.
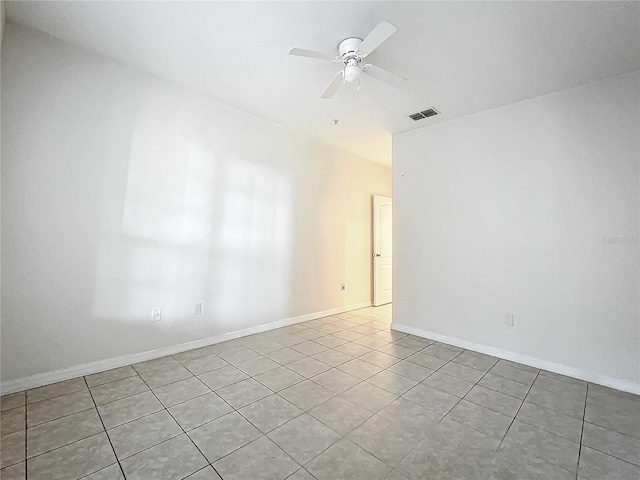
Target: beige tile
(259, 460)
(257, 365)
(448, 384)
(348, 335)
(207, 473)
(335, 380)
(411, 370)
(285, 356)
(112, 472)
(360, 369)
(425, 360)
(204, 364)
(620, 420)
(613, 443)
(12, 448)
(118, 389)
(181, 391)
(156, 364)
(188, 355)
(554, 449)
(304, 437)
(517, 464)
(340, 415)
(450, 451)
(494, 400)
(270, 412)
(353, 349)
(519, 366)
(504, 385)
(243, 393)
(463, 372)
(63, 431)
(236, 353)
(133, 437)
(175, 458)
(560, 403)
(570, 387)
(308, 367)
(346, 460)
(513, 373)
(73, 461)
(306, 395)
(597, 465)
(440, 350)
(47, 410)
(222, 377)
(396, 350)
(279, 378)
(110, 376)
(165, 375)
(330, 341)
(129, 408)
(431, 398)
(333, 357)
(563, 425)
(411, 416)
(386, 440)
(369, 340)
(200, 410)
(13, 400)
(223, 435)
(369, 396)
(380, 359)
(14, 472)
(56, 389)
(476, 360)
(13, 420)
(488, 422)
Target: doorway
(382, 250)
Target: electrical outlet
(156, 314)
(198, 309)
(508, 319)
(343, 287)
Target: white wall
(121, 192)
(515, 210)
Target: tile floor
(339, 397)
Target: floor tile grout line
(58, 418)
(26, 433)
(519, 408)
(104, 429)
(584, 414)
(183, 431)
(463, 397)
(52, 397)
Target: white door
(381, 250)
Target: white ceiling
(459, 57)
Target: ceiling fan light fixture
(351, 73)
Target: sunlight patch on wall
(253, 273)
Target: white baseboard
(41, 379)
(559, 368)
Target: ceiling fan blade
(333, 87)
(384, 75)
(376, 37)
(301, 52)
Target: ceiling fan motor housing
(348, 48)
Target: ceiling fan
(352, 52)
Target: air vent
(429, 112)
